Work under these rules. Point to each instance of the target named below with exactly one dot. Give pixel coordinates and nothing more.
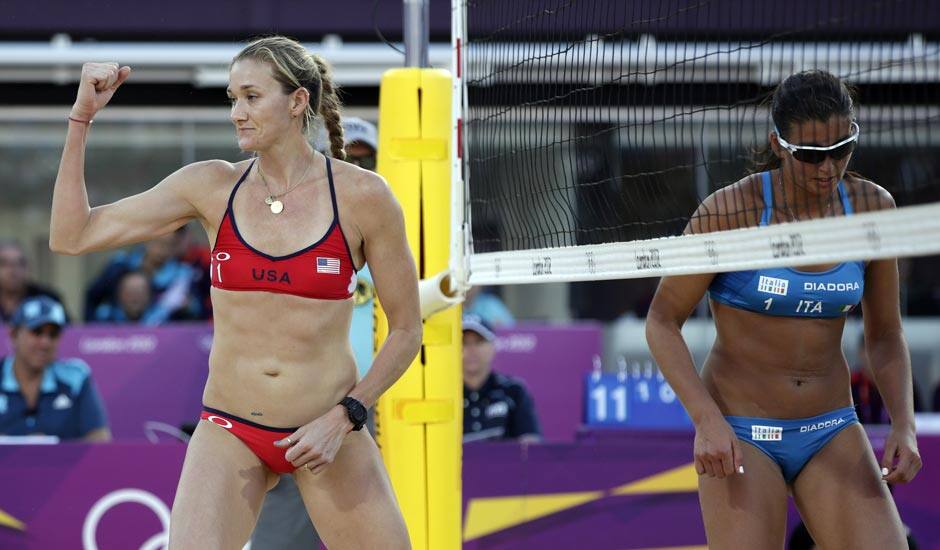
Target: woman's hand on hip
(314, 446)
(717, 449)
(96, 86)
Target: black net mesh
(598, 121)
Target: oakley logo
(821, 425)
(766, 433)
(220, 421)
(219, 257)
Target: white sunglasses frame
(794, 148)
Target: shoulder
(510, 384)
(731, 207)
(206, 183)
(366, 200)
(72, 372)
(203, 174)
(360, 186)
(866, 195)
(213, 171)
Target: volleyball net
(590, 132)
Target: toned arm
(75, 226)
(396, 284)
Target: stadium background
(174, 111)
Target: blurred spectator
(196, 254)
(362, 142)
(923, 292)
(40, 394)
(133, 302)
(15, 285)
(173, 283)
(495, 406)
(868, 403)
(483, 302)
(283, 522)
(936, 399)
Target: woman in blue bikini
(776, 378)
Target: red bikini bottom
(260, 439)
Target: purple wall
(53, 490)
(552, 361)
(647, 519)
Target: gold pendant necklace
(271, 200)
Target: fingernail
(740, 469)
(884, 471)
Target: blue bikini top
(787, 292)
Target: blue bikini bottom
(792, 443)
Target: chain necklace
(786, 203)
(271, 200)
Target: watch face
(357, 412)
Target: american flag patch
(328, 265)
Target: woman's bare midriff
(776, 367)
(277, 359)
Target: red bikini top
(323, 270)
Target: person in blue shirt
(173, 284)
(41, 394)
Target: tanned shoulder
(732, 207)
(866, 195)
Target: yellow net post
(419, 420)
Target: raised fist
(97, 84)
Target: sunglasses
(812, 154)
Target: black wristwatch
(356, 412)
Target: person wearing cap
(41, 394)
(362, 141)
(495, 406)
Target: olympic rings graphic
(121, 496)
